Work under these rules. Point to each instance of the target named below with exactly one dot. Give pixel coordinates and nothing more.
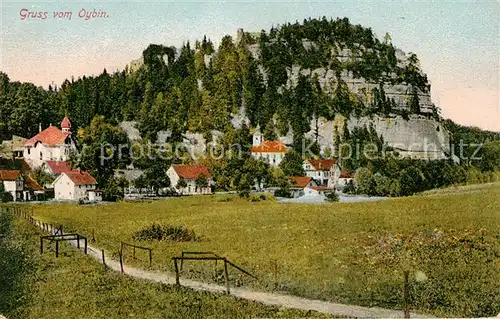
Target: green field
(351, 253)
(76, 286)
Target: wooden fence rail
(134, 247)
(63, 237)
(208, 256)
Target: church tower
(257, 138)
(66, 125)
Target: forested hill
(291, 74)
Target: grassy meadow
(76, 286)
(352, 253)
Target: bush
(261, 196)
(164, 232)
(382, 184)
(244, 193)
(225, 199)
(349, 188)
(283, 192)
(332, 197)
(6, 197)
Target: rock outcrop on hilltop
(303, 77)
(418, 135)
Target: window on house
(29, 149)
(41, 155)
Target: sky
(457, 42)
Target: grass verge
(76, 286)
(351, 253)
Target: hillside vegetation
(350, 253)
(166, 89)
(76, 286)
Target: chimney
(39, 127)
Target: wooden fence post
(77, 241)
(406, 295)
(41, 245)
(177, 281)
(85, 241)
(182, 260)
(215, 269)
(226, 276)
(275, 274)
(57, 248)
(121, 262)
(103, 260)
(150, 258)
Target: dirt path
(263, 297)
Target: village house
(189, 174)
(56, 168)
(271, 152)
(76, 185)
(51, 144)
(306, 186)
(344, 179)
(21, 187)
(324, 171)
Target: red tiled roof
(58, 167)
(192, 171)
(9, 175)
(322, 164)
(345, 174)
(300, 181)
(32, 184)
(51, 136)
(81, 178)
(321, 188)
(269, 147)
(65, 123)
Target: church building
(51, 144)
(271, 152)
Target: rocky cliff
(386, 87)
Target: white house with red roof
(21, 187)
(271, 152)
(51, 144)
(189, 173)
(56, 168)
(306, 185)
(12, 183)
(324, 171)
(344, 179)
(76, 185)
